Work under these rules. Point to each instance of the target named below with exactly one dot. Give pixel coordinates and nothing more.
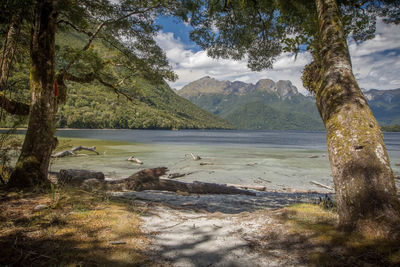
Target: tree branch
(90, 77)
(74, 27)
(12, 106)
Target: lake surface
(275, 159)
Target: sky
(376, 62)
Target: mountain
(264, 105)
(385, 105)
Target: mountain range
(385, 105)
(276, 105)
(264, 105)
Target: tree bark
(9, 47)
(32, 165)
(7, 55)
(364, 183)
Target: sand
(213, 230)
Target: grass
(310, 232)
(75, 228)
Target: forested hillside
(158, 107)
(154, 105)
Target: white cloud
(372, 66)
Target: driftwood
(206, 163)
(177, 175)
(322, 185)
(252, 187)
(148, 179)
(72, 151)
(136, 160)
(77, 177)
(194, 157)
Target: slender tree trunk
(364, 183)
(32, 166)
(9, 47)
(7, 55)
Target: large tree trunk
(32, 166)
(364, 183)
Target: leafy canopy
(263, 29)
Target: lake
(275, 159)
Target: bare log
(149, 179)
(177, 175)
(77, 177)
(322, 185)
(194, 157)
(252, 187)
(136, 160)
(73, 150)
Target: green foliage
(391, 128)
(159, 107)
(262, 30)
(257, 115)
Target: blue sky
(376, 62)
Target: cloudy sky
(376, 62)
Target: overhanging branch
(12, 106)
(90, 77)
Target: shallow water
(276, 160)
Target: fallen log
(252, 187)
(177, 175)
(136, 160)
(322, 185)
(193, 156)
(148, 179)
(77, 177)
(71, 152)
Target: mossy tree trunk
(364, 183)
(32, 166)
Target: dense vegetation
(153, 105)
(257, 115)
(159, 107)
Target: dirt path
(214, 230)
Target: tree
(127, 26)
(262, 30)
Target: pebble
(40, 207)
